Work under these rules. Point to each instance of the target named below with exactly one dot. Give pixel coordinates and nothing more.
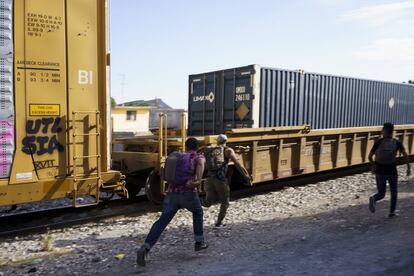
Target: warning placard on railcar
(44, 110)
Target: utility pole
(123, 84)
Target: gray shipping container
(255, 96)
(174, 117)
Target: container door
(237, 98)
(40, 71)
(222, 100)
(86, 84)
(202, 104)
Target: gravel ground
(319, 229)
(47, 205)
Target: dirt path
(344, 241)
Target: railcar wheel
(153, 188)
(105, 196)
(134, 185)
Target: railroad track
(299, 181)
(42, 221)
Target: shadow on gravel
(346, 241)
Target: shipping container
(174, 117)
(53, 100)
(255, 96)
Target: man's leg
(223, 192)
(169, 209)
(191, 202)
(381, 184)
(211, 197)
(393, 181)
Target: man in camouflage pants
(217, 186)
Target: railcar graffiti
(44, 136)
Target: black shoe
(392, 215)
(219, 225)
(198, 246)
(141, 255)
(372, 204)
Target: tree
(411, 81)
(113, 102)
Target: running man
(182, 193)
(385, 166)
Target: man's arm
(198, 174)
(232, 156)
(371, 155)
(200, 169)
(406, 158)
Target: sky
(156, 44)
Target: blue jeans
(172, 203)
(381, 186)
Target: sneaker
(219, 225)
(372, 204)
(392, 215)
(141, 255)
(198, 246)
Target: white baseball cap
(221, 139)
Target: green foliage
(113, 102)
(137, 104)
(411, 81)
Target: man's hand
(246, 176)
(248, 179)
(373, 169)
(193, 184)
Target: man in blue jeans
(385, 166)
(181, 196)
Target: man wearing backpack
(217, 187)
(385, 166)
(183, 173)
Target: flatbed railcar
(269, 154)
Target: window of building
(131, 115)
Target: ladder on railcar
(81, 178)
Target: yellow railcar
(55, 103)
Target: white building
(130, 120)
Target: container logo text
(210, 98)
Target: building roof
(120, 107)
(154, 103)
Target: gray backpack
(214, 158)
(386, 151)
